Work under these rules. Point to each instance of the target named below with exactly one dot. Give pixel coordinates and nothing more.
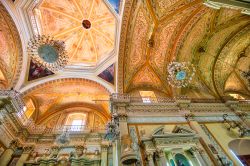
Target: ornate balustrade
(117, 97)
(72, 129)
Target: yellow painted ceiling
(10, 50)
(68, 93)
(87, 42)
(154, 33)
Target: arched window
(148, 96)
(241, 150)
(29, 108)
(76, 121)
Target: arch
(181, 160)
(60, 95)
(55, 78)
(241, 149)
(11, 53)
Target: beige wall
(223, 137)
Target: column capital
(189, 117)
(28, 149)
(149, 155)
(160, 152)
(104, 146)
(14, 144)
(122, 117)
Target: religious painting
(36, 71)
(115, 4)
(108, 74)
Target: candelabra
(246, 75)
(48, 52)
(63, 138)
(180, 74)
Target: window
(29, 108)
(236, 96)
(75, 122)
(148, 96)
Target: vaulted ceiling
(61, 95)
(10, 50)
(154, 33)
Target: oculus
(47, 52)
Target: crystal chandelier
(180, 74)
(112, 128)
(48, 52)
(246, 75)
(63, 138)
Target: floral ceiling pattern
(155, 33)
(10, 50)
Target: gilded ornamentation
(10, 50)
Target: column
(104, 155)
(128, 155)
(205, 141)
(114, 153)
(7, 154)
(150, 158)
(198, 156)
(25, 155)
(162, 157)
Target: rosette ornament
(180, 74)
(47, 52)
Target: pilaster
(25, 155)
(7, 154)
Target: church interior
(124, 83)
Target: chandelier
(48, 52)
(246, 75)
(112, 128)
(180, 74)
(63, 138)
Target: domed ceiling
(155, 33)
(88, 28)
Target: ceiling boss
(47, 52)
(180, 74)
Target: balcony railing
(116, 97)
(72, 129)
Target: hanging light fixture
(112, 128)
(180, 74)
(63, 138)
(246, 75)
(48, 52)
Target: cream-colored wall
(223, 137)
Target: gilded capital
(14, 144)
(28, 149)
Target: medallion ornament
(180, 74)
